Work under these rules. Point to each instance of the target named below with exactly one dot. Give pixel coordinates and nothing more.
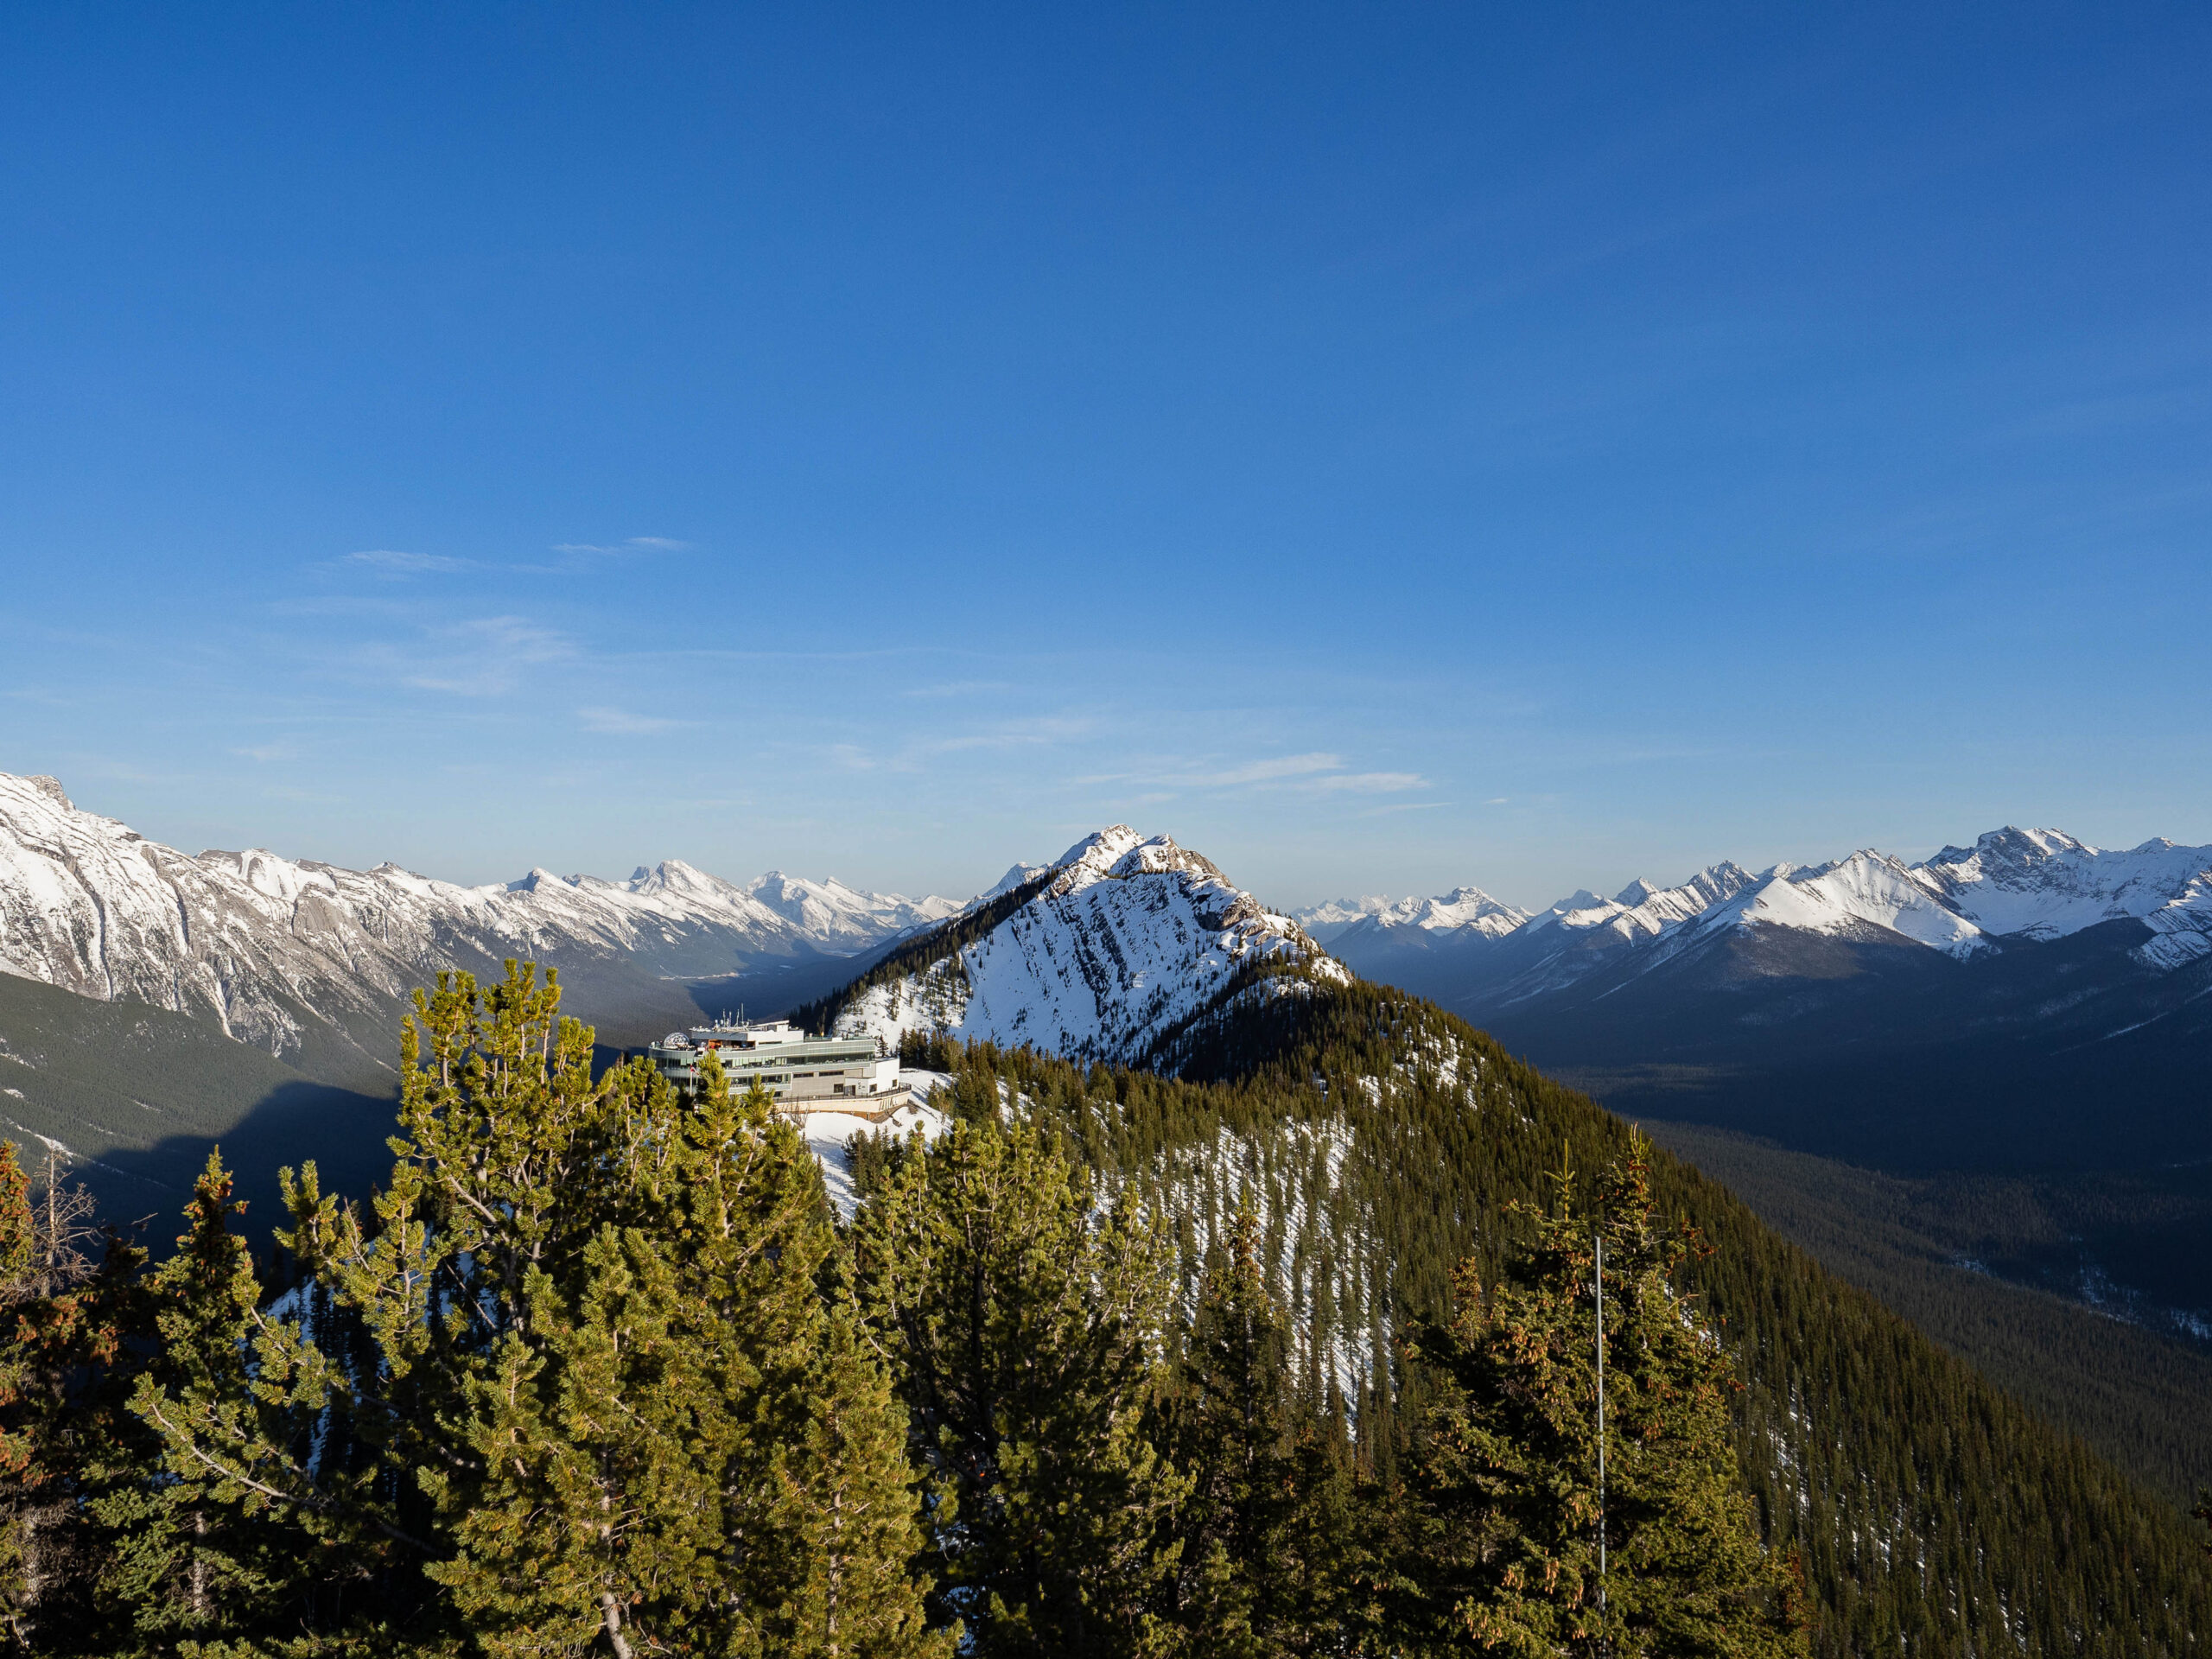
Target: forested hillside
(2141, 1398)
(1388, 1140)
(1295, 1353)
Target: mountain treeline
(1396, 1145)
(945, 941)
(1303, 1359)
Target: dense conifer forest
(1295, 1353)
(2141, 1398)
(1933, 1514)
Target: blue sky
(1384, 448)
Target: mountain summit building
(857, 1075)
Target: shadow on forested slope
(1932, 1249)
(342, 1132)
(133, 1096)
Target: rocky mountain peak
(1134, 937)
(1160, 855)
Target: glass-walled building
(805, 1074)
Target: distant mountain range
(2027, 934)
(310, 962)
(2029, 1003)
(1960, 1011)
(2021, 1028)
(2010, 884)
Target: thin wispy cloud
(399, 564)
(956, 689)
(267, 752)
(581, 558)
(620, 722)
(1014, 734)
(1366, 783)
(483, 656)
(1272, 771)
(629, 544)
(1404, 806)
(1318, 772)
(391, 564)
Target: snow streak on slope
(265, 943)
(2183, 926)
(1130, 938)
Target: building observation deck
(856, 1075)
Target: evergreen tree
(1508, 1514)
(595, 1398)
(855, 1518)
(70, 1348)
(686, 1452)
(1269, 1546)
(1024, 1323)
(19, 1480)
(201, 1552)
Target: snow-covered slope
(1844, 899)
(2042, 884)
(1130, 939)
(270, 946)
(2011, 884)
(1642, 912)
(1446, 912)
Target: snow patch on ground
(829, 1137)
(1298, 1187)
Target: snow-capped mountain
(2028, 998)
(2012, 885)
(2042, 884)
(1122, 942)
(1642, 911)
(273, 948)
(1446, 912)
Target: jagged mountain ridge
(1461, 907)
(280, 952)
(1126, 940)
(2025, 885)
(2028, 1004)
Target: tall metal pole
(1601, 1428)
